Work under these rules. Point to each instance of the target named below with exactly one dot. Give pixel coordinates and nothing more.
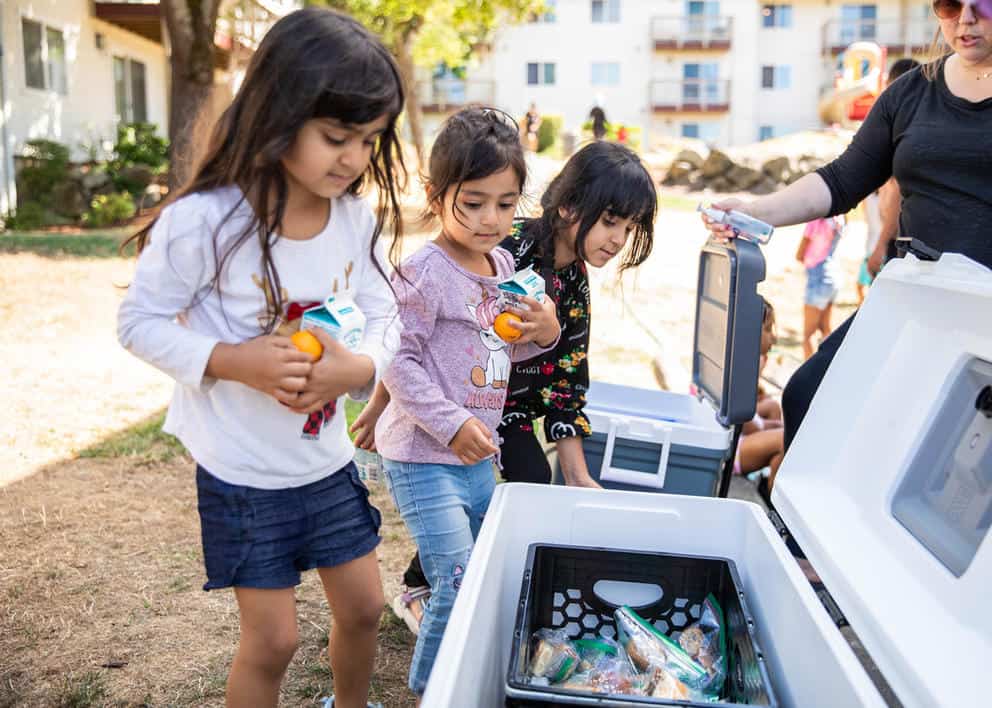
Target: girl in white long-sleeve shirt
(272, 223)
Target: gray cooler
(658, 441)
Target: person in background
(532, 121)
(816, 253)
(598, 117)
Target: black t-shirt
(939, 147)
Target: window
(776, 16)
(707, 131)
(605, 73)
(703, 16)
(549, 16)
(701, 81)
(130, 95)
(34, 65)
(605, 10)
(766, 132)
(857, 23)
(44, 57)
(538, 74)
(776, 77)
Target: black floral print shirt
(553, 385)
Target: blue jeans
(443, 507)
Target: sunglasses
(951, 9)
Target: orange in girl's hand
(504, 330)
(308, 344)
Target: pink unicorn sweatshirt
(450, 365)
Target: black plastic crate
(558, 593)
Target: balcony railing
(898, 36)
(446, 94)
(687, 32)
(690, 95)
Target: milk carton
(340, 318)
(524, 283)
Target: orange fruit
(503, 328)
(308, 344)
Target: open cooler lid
(888, 484)
(727, 341)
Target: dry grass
(100, 590)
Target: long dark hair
(602, 177)
(472, 144)
(313, 63)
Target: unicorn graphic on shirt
(497, 370)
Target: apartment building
(725, 71)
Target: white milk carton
(340, 318)
(524, 283)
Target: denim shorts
(821, 288)
(264, 538)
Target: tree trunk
(408, 72)
(191, 25)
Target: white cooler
(887, 487)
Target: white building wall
(573, 42)
(86, 113)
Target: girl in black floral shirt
(603, 203)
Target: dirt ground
(101, 569)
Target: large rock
(68, 199)
(152, 196)
(140, 176)
(809, 163)
(716, 164)
(690, 156)
(697, 183)
(766, 186)
(94, 180)
(678, 174)
(777, 168)
(744, 177)
(721, 184)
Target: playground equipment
(860, 79)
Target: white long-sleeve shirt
(172, 318)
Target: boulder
(94, 180)
(678, 174)
(716, 164)
(744, 177)
(721, 184)
(152, 196)
(690, 156)
(68, 199)
(766, 186)
(697, 183)
(777, 168)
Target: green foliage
(548, 132)
(30, 215)
(46, 164)
(139, 144)
(109, 209)
(98, 245)
(143, 442)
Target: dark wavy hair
(312, 63)
(602, 177)
(472, 144)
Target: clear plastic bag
(705, 641)
(554, 658)
(648, 649)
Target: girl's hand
(539, 321)
(364, 426)
(270, 364)
(473, 442)
(334, 374)
(722, 232)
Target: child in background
(816, 253)
(873, 222)
(448, 382)
(270, 224)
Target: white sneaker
(409, 606)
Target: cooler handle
(636, 477)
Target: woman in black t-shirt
(931, 130)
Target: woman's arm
(572, 460)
